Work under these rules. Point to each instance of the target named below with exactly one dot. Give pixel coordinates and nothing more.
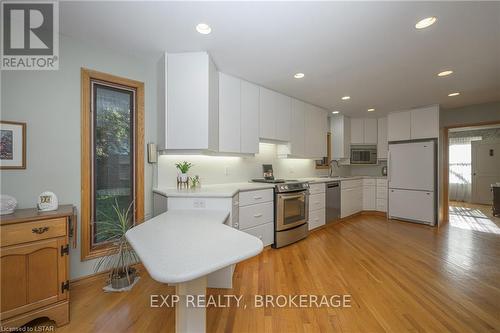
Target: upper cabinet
(238, 115)
(363, 131)
(249, 118)
(382, 146)
(298, 127)
(425, 123)
(275, 115)
(316, 129)
(422, 123)
(340, 128)
(191, 103)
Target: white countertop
(183, 245)
(230, 189)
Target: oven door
(291, 210)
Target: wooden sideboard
(34, 264)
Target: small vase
(184, 177)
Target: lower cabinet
(256, 214)
(369, 194)
(351, 197)
(317, 205)
(381, 195)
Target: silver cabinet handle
(236, 203)
(257, 197)
(257, 215)
(236, 225)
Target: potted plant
(121, 256)
(184, 168)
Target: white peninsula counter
(182, 247)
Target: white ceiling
(368, 50)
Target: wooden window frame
(87, 250)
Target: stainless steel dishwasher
(332, 201)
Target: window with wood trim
(112, 156)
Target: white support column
(190, 319)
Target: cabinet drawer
(369, 182)
(316, 188)
(32, 231)
(381, 193)
(382, 182)
(253, 215)
(316, 201)
(382, 205)
(316, 218)
(345, 184)
(253, 197)
(264, 232)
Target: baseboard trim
(96, 276)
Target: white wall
(212, 169)
(470, 114)
(49, 101)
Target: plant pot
(119, 282)
(184, 177)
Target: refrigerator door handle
(389, 168)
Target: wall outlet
(226, 171)
(291, 170)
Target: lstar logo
(30, 35)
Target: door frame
(446, 162)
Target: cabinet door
(425, 123)
(382, 146)
(267, 113)
(369, 197)
(370, 131)
(399, 126)
(31, 276)
(357, 131)
(229, 113)
(249, 118)
(297, 140)
(283, 117)
(315, 131)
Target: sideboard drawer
(254, 197)
(32, 231)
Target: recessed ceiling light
(203, 28)
(345, 98)
(299, 75)
(335, 112)
(370, 110)
(445, 73)
(454, 94)
(426, 22)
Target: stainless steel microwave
(364, 155)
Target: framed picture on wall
(12, 145)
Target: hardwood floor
(402, 277)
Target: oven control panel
(291, 187)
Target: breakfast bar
(183, 247)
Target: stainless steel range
(291, 212)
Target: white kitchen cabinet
(425, 123)
(340, 128)
(316, 129)
(283, 117)
(421, 123)
(369, 197)
(275, 115)
(190, 103)
(249, 125)
(382, 146)
(256, 214)
(363, 131)
(381, 195)
(351, 197)
(267, 113)
(297, 140)
(357, 131)
(229, 114)
(317, 205)
(370, 130)
(399, 126)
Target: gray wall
(49, 101)
(470, 114)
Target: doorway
(472, 165)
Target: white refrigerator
(412, 181)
